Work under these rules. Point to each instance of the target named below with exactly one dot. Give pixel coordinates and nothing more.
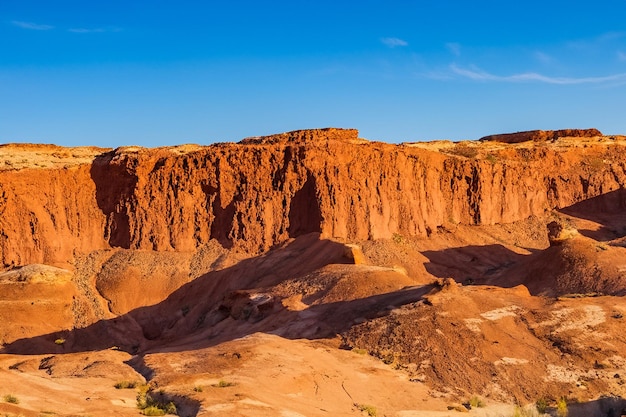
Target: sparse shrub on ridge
(223, 384)
(561, 407)
(125, 385)
(12, 399)
(462, 149)
(491, 158)
(397, 238)
(369, 409)
(476, 402)
(170, 408)
(594, 164)
(153, 411)
(541, 405)
(525, 411)
(150, 406)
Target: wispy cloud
(436, 75)
(454, 48)
(83, 30)
(394, 42)
(37, 26)
(592, 43)
(543, 57)
(621, 56)
(609, 36)
(93, 30)
(479, 75)
(31, 25)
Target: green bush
(170, 408)
(223, 384)
(153, 411)
(561, 407)
(476, 402)
(150, 406)
(369, 409)
(125, 385)
(542, 405)
(397, 238)
(11, 399)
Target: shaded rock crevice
(261, 192)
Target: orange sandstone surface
(263, 191)
(315, 273)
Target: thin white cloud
(93, 30)
(454, 48)
(83, 30)
(609, 36)
(621, 56)
(543, 57)
(31, 25)
(592, 43)
(436, 75)
(479, 75)
(393, 42)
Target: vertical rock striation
(263, 191)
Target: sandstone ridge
(306, 135)
(315, 273)
(259, 193)
(542, 135)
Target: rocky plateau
(315, 273)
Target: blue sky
(154, 73)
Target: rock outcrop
(559, 232)
(542, 135)
(230, 257)
(263, 191)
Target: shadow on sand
(500, 266)
(608, 210)
(233, 302)
(602, 407)
(227, 304)
(473, 265)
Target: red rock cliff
(260, 192)
(542, 135)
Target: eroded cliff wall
(48, 215)
(262, 191)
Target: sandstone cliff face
(263, 191)
(46, 215)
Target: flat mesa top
(16, 156)
(28, 155)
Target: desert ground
(315, 273)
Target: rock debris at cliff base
(315, 272)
